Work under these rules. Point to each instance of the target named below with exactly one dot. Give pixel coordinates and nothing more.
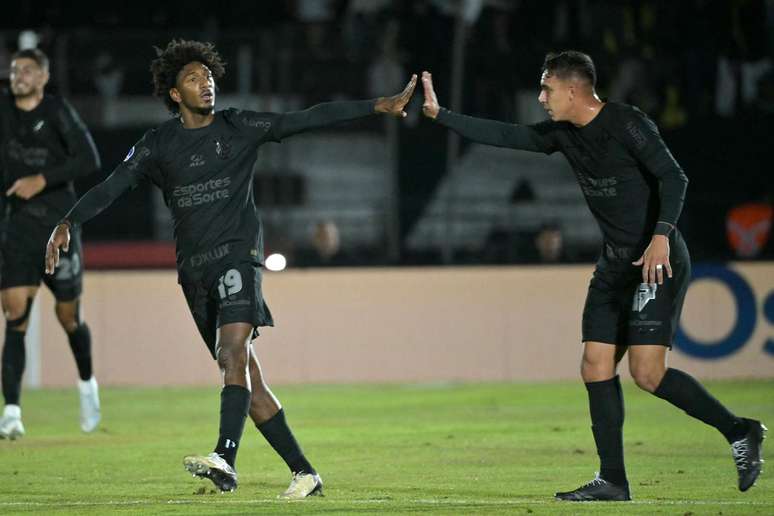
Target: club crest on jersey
(197, 160)
(38, 126)
(645, 292)
(223, 147)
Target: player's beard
(204, 110)
(26, 91)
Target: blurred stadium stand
(391, 191)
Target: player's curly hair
(171, 60)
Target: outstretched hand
(60, 239)
(430, 107)
(395, 105)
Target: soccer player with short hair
(635, 190)
(44, 146)
(202, 160)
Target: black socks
(607, 418)
(80, 344)
(13, 365)
(684, 392)
(277, 432)
(234, 402)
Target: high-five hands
(394, 105)
(430, 107)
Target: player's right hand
(430, 107)
(59, 239)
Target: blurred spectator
(362, 27)
(326, 241)
(316, 15)
(386, 75)
(108, 79)
(745, 57)
(548, 243)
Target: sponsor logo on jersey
(195, 194)
(211, 255)
(598, 186)
(257, 122)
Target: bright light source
(276, 262)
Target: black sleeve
(139, 164)
(321, 115)
(82, 157)
(642, 138)
(535, 137)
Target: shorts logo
(645, 292)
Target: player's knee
(647, 378)
(69, 323)
(596, 370)
(68, 316)
(260, 390)
(232, 356)
(17, 315)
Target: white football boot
(11, 426)
(90, 412)
(214, 467)
(303, 485)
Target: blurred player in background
(44, 146)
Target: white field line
(223, 500)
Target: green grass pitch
(444, 449)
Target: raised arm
(533, 138)
(329, 113)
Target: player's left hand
(394, 105)
(27, 187)
(60, 239)
(655, 260)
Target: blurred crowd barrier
(401, 325)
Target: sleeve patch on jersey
(256, 122)
(639, 139)
(141, 154)
(129, 155)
